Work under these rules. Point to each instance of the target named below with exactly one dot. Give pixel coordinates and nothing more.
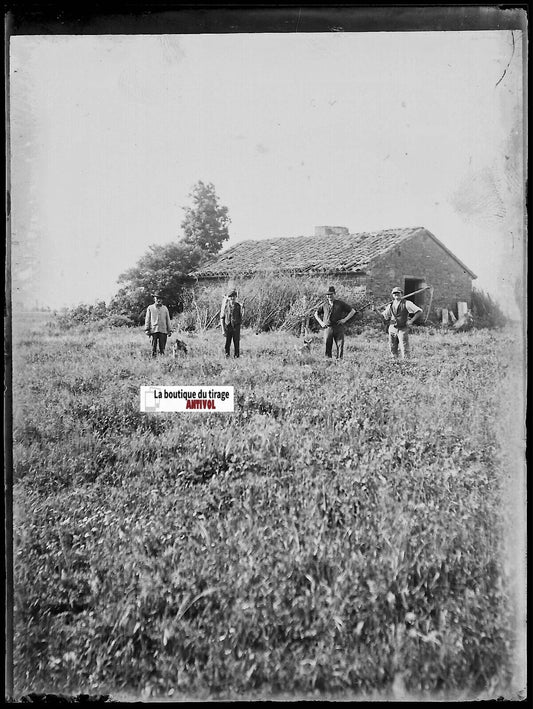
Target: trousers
(158, 338)
(233, 334)
(334, 334)
(399, 341)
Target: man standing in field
(230, 321)
(157, 324)
(396, 314)
(332, 317)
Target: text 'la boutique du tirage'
(190, 398)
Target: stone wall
(421, 258)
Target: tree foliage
(206, 222)
(164, 268)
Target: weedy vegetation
(342, 533)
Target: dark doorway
(414, 284)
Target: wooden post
(444, 316)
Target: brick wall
(422, 258)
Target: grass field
(351, 530)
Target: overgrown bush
(131, 303)
(119, 321)
(486, 312)
(90, 317)
(270, 301)
(108, 323)
(81, 314)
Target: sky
(109, 134)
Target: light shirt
(157, 319)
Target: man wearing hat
(331, 317)
(230, 321)
(397, 315)
(157, 324)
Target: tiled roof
(336, 253)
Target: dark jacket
(232, 314)
(331, 314)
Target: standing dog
(304, 346)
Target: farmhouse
(410, 257)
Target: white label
(187, 398)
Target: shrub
(270, 301)
(119, 321)
(82, 314)
(131, 303)
(487, 313)
(94, 317)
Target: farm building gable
(332, 250)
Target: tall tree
(206, 222)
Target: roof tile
(336, 253)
